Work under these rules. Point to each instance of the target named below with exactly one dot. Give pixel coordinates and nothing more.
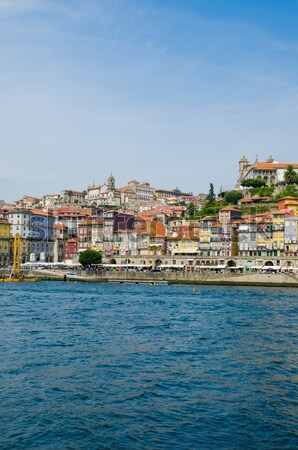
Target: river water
(119, 366)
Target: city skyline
(168, 92)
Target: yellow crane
(17, 255)
(15, 275)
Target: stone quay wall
(191, 278)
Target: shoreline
(258, 280)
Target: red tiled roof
(60, 226)
(252, 199)
(183, 236)
(229, 208)
(283, 211)
(91, 222)
(209, 218)
(39, 212)
(273, 166)
(288, 198)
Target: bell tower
(111, 183)
(243, 166)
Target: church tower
(243, 166)
(111, 183)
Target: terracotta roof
(126, 189)
(252, 199)
(246, 200)
(264, 214)
(273, 166)
(92, 222)
(288, 198)
(283, 211)
(30, 197)
(60, 226)
(39, 212)
(229, 208)
(264, 219)
(239, 221)
(209, 218)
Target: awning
(192, 251)
(171, 266)
(124, 265)
(220, 266)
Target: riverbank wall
(225, 279)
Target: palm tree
(290, 175)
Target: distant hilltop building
(271, 171)
(105, 194)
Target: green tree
(253, 182)
(289, 190)
(266, 191)
(233, 197)
(89, 257)
(290, 175)
(190, 210)
(211, 196)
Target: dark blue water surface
(117, 366)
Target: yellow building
(184, 241)
(278, 228)
(266, 244)
(288, 203)
(205, 244)
(4, 242)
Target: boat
(18, 280)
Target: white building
(104, 195)
(143, 191)
(271, 171)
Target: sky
(170, 92)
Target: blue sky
(166, 91)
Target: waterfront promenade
(227, 278)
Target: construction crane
(15, 275)
(16, 255)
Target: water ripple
(87, 366)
